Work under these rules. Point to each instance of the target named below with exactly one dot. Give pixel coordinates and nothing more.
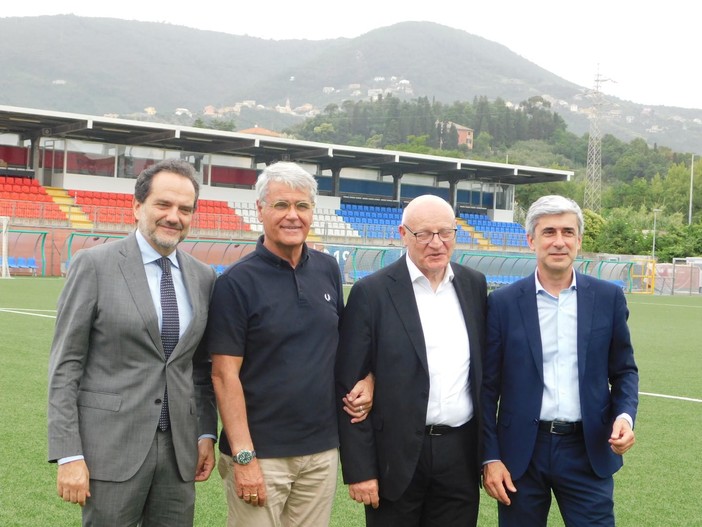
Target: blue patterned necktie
(170, 327)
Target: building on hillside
(257, 130)
(465, 135)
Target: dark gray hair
(548, 205)
(289, 173)
(142, 189)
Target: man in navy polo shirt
(273, 334)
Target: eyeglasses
(284, 206)
(425, 237)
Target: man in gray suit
(132, 418)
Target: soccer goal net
(4, 267)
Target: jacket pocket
(102, 401)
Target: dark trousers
(560, 465)
(444, 491)
(155, 496)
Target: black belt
(439, 430)
(560, 428)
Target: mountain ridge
(119, 67)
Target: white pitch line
(672, 397)
(27, 309)
(26, 313)
(18, 312)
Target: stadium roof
(31, 124)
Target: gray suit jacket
(107, 369)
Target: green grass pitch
(659, 485)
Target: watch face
(244, 457)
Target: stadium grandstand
(66, 182)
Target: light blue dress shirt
(558, 321)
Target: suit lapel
(467, 299)
(402, 296)
(464, 293)
(530, 319)
(586, 309)
(132, 267)
(191, 284)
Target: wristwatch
(244, 457)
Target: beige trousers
(300, 491)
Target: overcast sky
(646, 52)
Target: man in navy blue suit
(560, 385)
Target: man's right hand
(497, 481)
(73, 482)
(365, 492)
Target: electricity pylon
(593, 174)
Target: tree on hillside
(622, 233)
(635, 194)
(226, 125)
(594, 224)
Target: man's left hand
(365, 492)
(622, 438)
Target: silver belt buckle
(431, 431)
(556, 423)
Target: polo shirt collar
(275, 259)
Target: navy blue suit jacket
(381, 332)
(513, 377)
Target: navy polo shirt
(284, 323)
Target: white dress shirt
(448, 350)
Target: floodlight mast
(692, 178)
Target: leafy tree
(621, 234)
(451, 138)
(634, 194)
(324, 131)
(677, 189)
(675, 242)
(594, 224)
(227, 125)
(482, 144)
(571, 147)
(375, 141)
(528, 194)
(417, 145)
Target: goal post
(4, 252)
